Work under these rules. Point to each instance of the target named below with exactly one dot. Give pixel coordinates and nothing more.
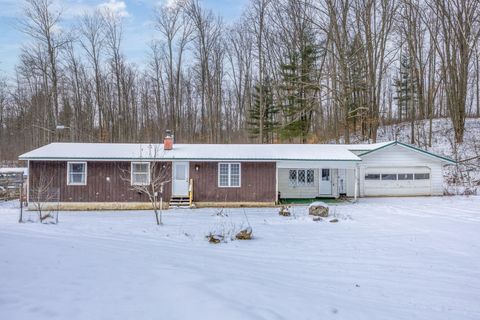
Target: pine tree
(299, 92)
(406, 88)
(357, 85)
(265, 117)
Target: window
(301, 177)
(76, 173)
(389, 176)
(325, 174)
(422, 176)
(229, 174)
(140, 172)
(292, 177)
(180, 171)
(310, 177)
(372, 176)
(405, 176)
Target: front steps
(179, 202)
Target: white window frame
(132, 183)
(296, 183)
(421, 173)
(229, 164)
(68, 173)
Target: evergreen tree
(263, 116)
(357, 85)
(406, 89)
(299, 92)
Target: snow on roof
(122, 151)
(14, 170)
(366, 147)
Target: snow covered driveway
(405, 258)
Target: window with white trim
(229, 175)
(422, 176)
(301, 177)
(389, 176)
(405, 176)
(76, 173)
(140, 173)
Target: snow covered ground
(389, 258)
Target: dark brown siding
(257, 183)
(98, 189)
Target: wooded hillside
(284, 71)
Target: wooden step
(179, 202)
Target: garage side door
(403, 181)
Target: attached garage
(401, 181)
(398, 169)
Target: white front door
(342, 181)
(180, 178)
(325, 182)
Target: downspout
(28, 183)
(357, 182)
(276, 183)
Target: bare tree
(459, 32)
(92, 40)
(176, 28)
(154, 183)
(44, 198)
(113, 39)
(209, 53)
(41, 23)
(375, 20)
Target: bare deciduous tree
(44, 198)
(154, 184)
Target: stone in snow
(319, 209)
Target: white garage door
(403, 181)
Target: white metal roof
(262, 152)
(366, 147)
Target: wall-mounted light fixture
(197, 167)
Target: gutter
(180, 159)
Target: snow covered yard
(405, 258)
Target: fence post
(20, 219)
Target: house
(101, 175)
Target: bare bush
(44, 199)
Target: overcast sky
(138, 31)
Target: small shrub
(285, 211)
(244, 234)
(214, 238)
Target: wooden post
(190, 192)
(20, 219)
(356, 183)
